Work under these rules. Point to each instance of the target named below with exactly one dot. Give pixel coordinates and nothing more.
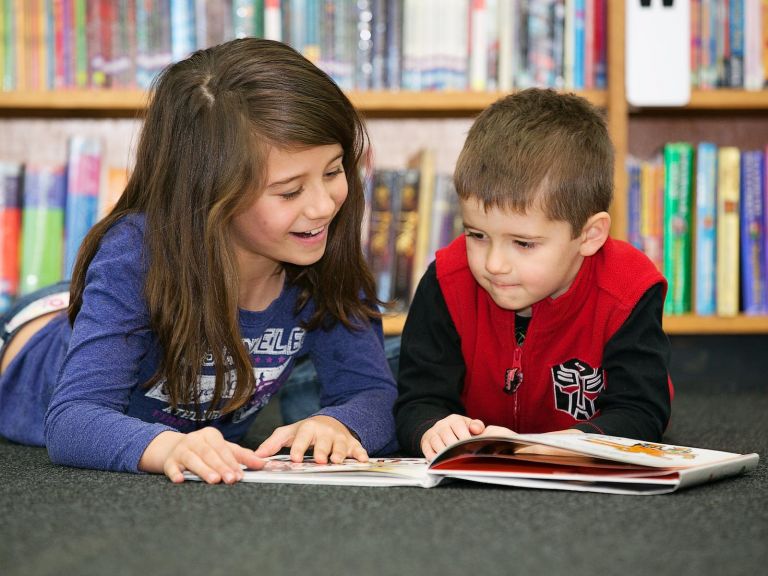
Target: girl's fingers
(281, 437)
(324, 445)
(173, 471)
(248, 458)
(359, 453)
(305, 437)
(195, 464)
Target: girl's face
(289, 219)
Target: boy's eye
(526, 245)
(474, 235)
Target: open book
(581, 462)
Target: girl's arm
(86, 424)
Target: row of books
(362, 44)
(45, 212)
(411, 213)
(700, 212)
(729, 44)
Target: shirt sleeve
(432, 368)
(86, 423)
(357, 386)
(636, 401)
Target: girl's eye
(291, 195)
(336, 172)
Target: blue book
(579, 40)
(183, 32)
(705, 247)
(753, 232)
(82, 204)
(634, 202)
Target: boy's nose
(496, 261)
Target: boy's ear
(595, 233)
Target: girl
(234, 250)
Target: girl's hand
(326, 434)
(447, 431)
(204, 452)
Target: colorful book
(381, 239)
(634, 203)
(42, 227)
(10, 232)
(425, 163)
(728, 189)
(678, 177)
(579, 462)
(753, 238)
(406, 234)
(83, 186)
(706, 239)
(652, 211)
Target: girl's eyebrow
(292, 178)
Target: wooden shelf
(692, 324)
(718, 100)
(371, 103)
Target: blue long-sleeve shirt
(101, 416)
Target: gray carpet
(57, 520)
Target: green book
(42, 227)
(678, 177)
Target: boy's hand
(548, 450)
(329, 437)
(447, 431)
(204, 452)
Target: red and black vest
(552, 381)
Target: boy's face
(519, 259)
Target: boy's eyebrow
(512, 234)
(297, 176)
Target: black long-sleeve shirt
(634, 404)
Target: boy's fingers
(447, 437)
(476, 427)
(461, 431)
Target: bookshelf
(631, 128)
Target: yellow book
(727, 268)
(425, 163)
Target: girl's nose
(321, 203)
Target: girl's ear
(595, 233)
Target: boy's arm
(431, 373)
(636, 401)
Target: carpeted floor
(57, 520)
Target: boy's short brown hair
(539, 147)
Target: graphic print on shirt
(271, 354)
(577, 385)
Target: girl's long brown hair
(200, 158)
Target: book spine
(752, 233)
(406, 233)
(272, 20)
(678, 163)
(380, 245)
(183, 39)
(695, 55)
(83, 184)
(42, 227)
(736, 41)
(506, 31)
(478, 42)
(10, 232)
(706, 218)
(634, 202)
(578, 44)
(727, 289)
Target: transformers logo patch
(577, 385)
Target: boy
(535, 319)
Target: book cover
(381, 240)
(575, 462)
(753, 238)
(705, 248)
(10, 231)
(406, 234)
(83, 187)
(42, 227)
(678, 171)
(728, 222)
